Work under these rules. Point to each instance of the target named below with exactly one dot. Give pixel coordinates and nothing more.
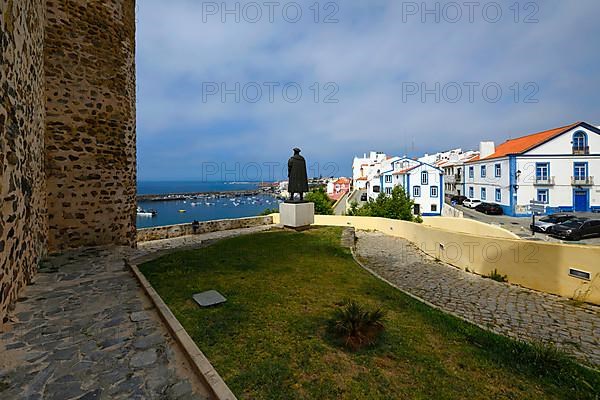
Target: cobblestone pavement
(505, 309)
(86, 330)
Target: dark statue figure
(298, 180)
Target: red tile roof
(402, 172)
(524, 143)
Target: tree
(395, 206)
(323, 204)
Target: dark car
(363, 197)
(577, 228)
(458, 199)
(490, 209)
(545, 224)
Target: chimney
(486, 149)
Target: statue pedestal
(297, 215)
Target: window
(483, 171)
(498, 170)
(483, 194)
(542, 196)
(376, 189)
(388, 179)
(424, 178)
(498, 195)
(388, 190)
(471, 172)
(433, 191)
(542, 171)
(471, 192)
(580, 171)
(434, 207)
(417, 191)
(580, 142)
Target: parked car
(363, 197)
(545, 224)
(458, 199)
(489, 209)
(471, 203)
(577, 228)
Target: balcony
(549, 181)
(582, 180)
(578, 151)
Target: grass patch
(271, 340)
(495, 276)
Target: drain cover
(209, 298)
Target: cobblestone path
(506, 309)
(86, 330)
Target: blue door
(581, 200)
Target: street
(520, 226)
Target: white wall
(490, 182)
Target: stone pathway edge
(200, 364)
(417, 298)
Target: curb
(200, 364)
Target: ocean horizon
(204, 209)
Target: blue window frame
(433, 191)
(483, 194)
(498, 170)
(424, 178)
(417, 191)
(471, 192)
(388, 179)
(542, 171)
(580, 171)
(471, 172)
(483, 171)
(543, 196)
(498, 195)
(388, 190)
(579, 141)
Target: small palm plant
(357, 325)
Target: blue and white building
(556, 167)
(423, 182)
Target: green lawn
(271, 341)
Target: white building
(364, 168)
(423, 183)
(454, 172)
(556, 167)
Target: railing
(582, 180)
(581, 150)
(549, 181)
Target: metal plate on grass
(209, 298)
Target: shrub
(323, 204)
(269, 211)
(494, 275)
(356, 325)
(395, 206)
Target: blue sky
(370, 68)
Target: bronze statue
(298, 181)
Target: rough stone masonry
(67, 125)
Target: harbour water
(204, 208)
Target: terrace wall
(536, 265)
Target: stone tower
(89, 62)
(67, 131)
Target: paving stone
(146, 342)
(179, 390)
(507, 309)
(139, 316)
(143, 359)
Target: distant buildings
(380, 173)
(555, 167)
(337, 187)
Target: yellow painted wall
(536, 265)
(468, 226)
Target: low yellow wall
(536, 265)
(465, 225)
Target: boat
(182, 211)
(146, 213)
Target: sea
(205, 209)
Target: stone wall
(23, 219)
(171, 231)
(90, 122)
